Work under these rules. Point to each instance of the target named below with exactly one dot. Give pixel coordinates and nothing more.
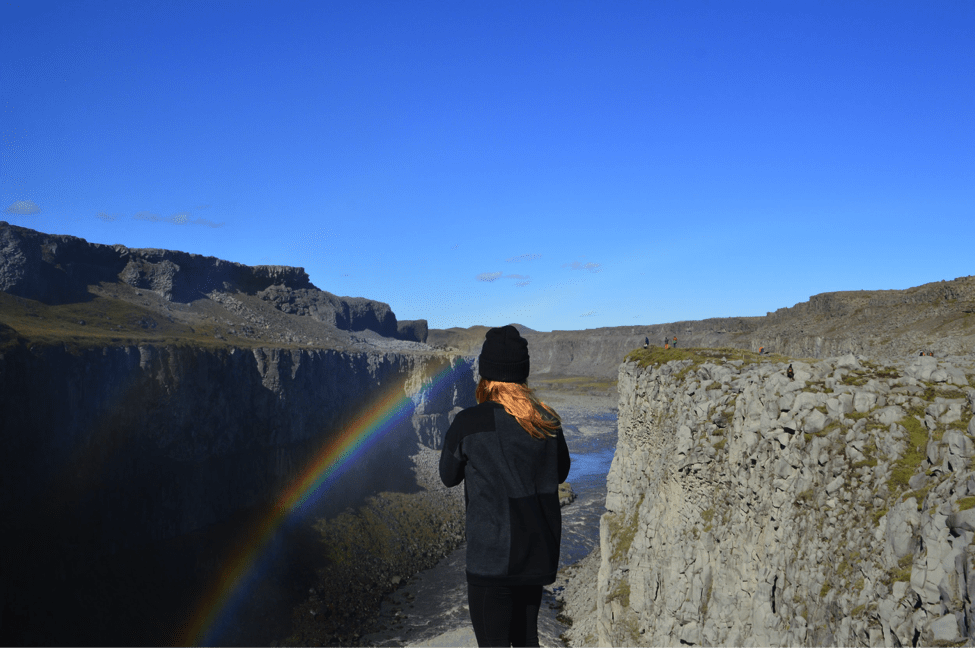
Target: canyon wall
(938, 317)
(130, 472)
(748, 508)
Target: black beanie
(504, 356)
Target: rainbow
(383, 413)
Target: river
(434, 602)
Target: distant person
(675, 341)
(510, 453)
(646, 342)
(790, 373)
(761, 350)
(666, 345)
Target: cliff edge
(748, 508)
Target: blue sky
(563, 165)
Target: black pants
(505, 616)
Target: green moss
(107, 322)
(621, 593)
(902, 573)
(720, 444)
(806, 497)
(878, 515)
(654, 355)
(855, 378)
(707, 515)
(714, 385)
(825, 589)
(871, 462)
(960, 424)
(905, 467)
(966, 503)
(622, 530)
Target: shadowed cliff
(156, 407)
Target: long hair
(519, 400)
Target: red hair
(519, 400)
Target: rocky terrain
(939, 317)
(748, 508)
(155, 405)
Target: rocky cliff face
(126, 454)
(61, 269)
(154, 407)
(745, 508)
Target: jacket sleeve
(452, 460)
(565, 462)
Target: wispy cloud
(579, 265)
(589, 314)
(516, 276)
(23, 208)
(489, 276)
(181, 218)
(522, 284)
(108, 218)
(524, 257)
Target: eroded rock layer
(748, 508)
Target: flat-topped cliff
(156, 406)
(937, 317)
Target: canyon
(156, 407)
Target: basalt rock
(832, 509)
(59, 269)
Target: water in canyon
(434, 602)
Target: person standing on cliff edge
(510, 453)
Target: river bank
(430, 609)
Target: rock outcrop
(937, 317)
(745, 508)
(57, 269)
(121, 454)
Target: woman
(511, 455)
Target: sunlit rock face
(745, 508)
(58, 269)
(937, 317)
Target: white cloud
(516, 276)
(524, 257)
(147, 216)
(108, 218)
(180, 218)
(522, 284)
(589, 314)
(24, 208)
(579, 265)
(489, 276)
